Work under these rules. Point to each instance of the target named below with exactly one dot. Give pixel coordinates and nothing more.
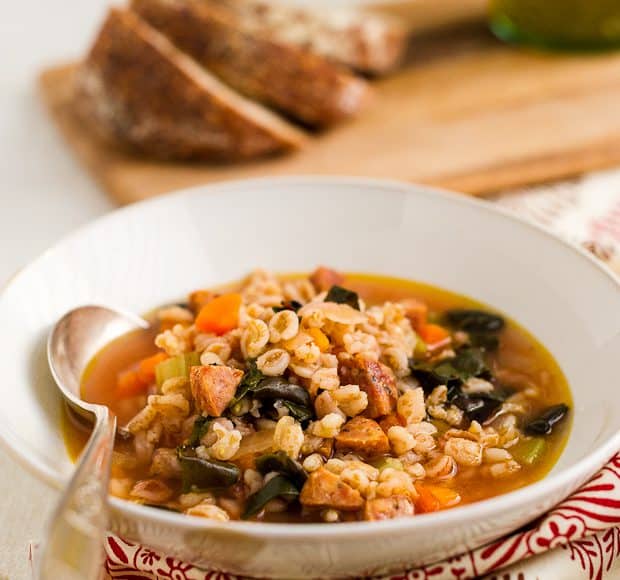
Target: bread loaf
(284, 76)
(136, 88)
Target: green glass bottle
(564, 24)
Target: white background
(43, 195)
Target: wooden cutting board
(466, 112)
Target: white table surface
(43, 195)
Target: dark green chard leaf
(288, 305)
(279, 388)
(423, 371)
(544, 423)
(477, 407)
(341, 295)
(202, 473)
(475, 321)
(296, 399)
(283, 464)
(454, 390)
(199, 430)
(250, 379)
(499, 393)
(467, 363)
(482, 327)
(279, 486)
(299, 412)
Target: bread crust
(297, 82)
(368, 42)
(137, 89)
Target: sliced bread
(299, 83)
(137, 88)
(362, 40)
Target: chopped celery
(420, 349)
(388, 462)
(176, 366)
(529, 451)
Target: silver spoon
(74, 546)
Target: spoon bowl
(75, 532)
(75, 339)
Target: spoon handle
(74, 546)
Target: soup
(326, 398)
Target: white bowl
(150, 253)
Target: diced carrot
(319, 338)
(426, 502)
(130, 384)
(139, 378)
(220, 315)
(432, 498)
(434, 335)
(447, 497)
(146, 367)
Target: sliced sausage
(323, 489)
(393, 420)
(375, 379)
(213, 387)
(324, 278)
(364, 437)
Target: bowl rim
(568, 479)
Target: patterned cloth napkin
(580, 538)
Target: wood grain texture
(466, 112)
